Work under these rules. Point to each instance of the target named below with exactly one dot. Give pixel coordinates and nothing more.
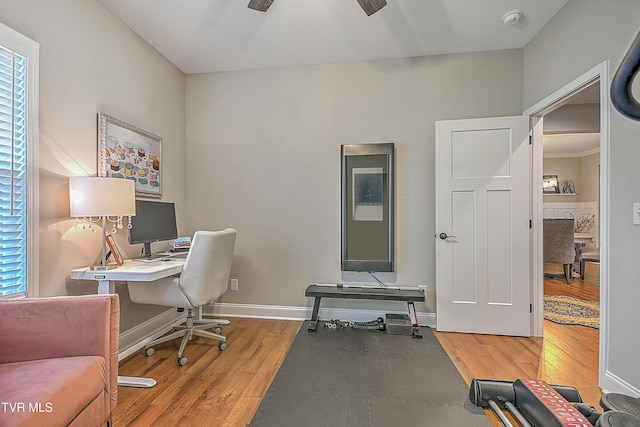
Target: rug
(348, 378)
(571, 311)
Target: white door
(482, 226)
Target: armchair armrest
(44, 328)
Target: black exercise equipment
(532, 402)
(354, 292)
(589, 411)
(618, 419)
(544, 406)
(620, 402)
(621, 94)
(496, 395)
(372, 325)
(481, 390)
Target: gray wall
(91, 62)
(263, 155)
(584, 34)
(261, 151)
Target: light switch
(636, 214)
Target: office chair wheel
(217, 330)
(222, 346)
(181, 361)
(149, 351)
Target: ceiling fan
(369, 6)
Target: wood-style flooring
(566, 355)
(215, 388)
(225, 388)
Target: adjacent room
(183, 183)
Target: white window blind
(12, 173)
(18, 164)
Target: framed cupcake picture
(128, 152)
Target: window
(18, 164)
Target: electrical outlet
(234, 284)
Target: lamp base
(102, 267)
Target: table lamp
(97, 199)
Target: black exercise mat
(354, 378)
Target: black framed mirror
(368, 207)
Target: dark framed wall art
(550, 184)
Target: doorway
(586, 85)
(571, 154)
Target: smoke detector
(512, 17)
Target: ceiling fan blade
(261, 5)
(372, 6)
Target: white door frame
(600, 72)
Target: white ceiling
(575, 144)
(571, 144)
(202, 36)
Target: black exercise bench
(324, 291)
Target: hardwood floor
(215, 388)
(226, 388)
(567, 355)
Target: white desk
(130, 270)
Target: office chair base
(187, 331)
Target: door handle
(444, 236)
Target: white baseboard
(304, 313)
(614, 384)
(135, 338)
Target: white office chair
(204, 278)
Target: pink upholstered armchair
(58, 360)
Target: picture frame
(367, 194)
(550, 184)
(115, 252)
(568, 187)
(128, 152)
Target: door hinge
(530, 140)
(530, 224)
(530, 308)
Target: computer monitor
(153, 222)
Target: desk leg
(136, 382)
(414, 320)
(106, 287)
(314, 315)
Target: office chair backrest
(558, 240)
(205, 275)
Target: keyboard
(157, 259)
(163, 256)
(174, 255)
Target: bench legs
(413, 316)
(314, 315)
(313, 324)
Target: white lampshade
(91, 196)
